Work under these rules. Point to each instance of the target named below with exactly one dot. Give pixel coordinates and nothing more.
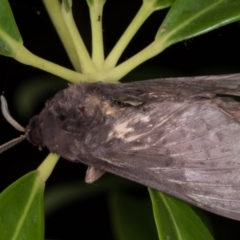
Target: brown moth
(180, 136)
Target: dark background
(214, 53)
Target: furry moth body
(180, 136)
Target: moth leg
(93, 174)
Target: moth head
(32, 132)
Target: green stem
(150, 51)
(48, 165)
(144, 12)
(83, 55)
(96, 9)
(28, 58)
(53, 8)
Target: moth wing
(221, 84)
(191, 151)
(227, 84)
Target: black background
(216, 52)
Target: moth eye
(34, 137)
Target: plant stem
(53, 8)
(144, 12)
(48, 165)
(96, 9)
(26, 57)
(150, 51)
(83, 55)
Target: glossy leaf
(132, 217)
(176, 220)
(188, 18)
(10, 38)
(147, 8)
(21, 209)
(185, 19)
(21, 204)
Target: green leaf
(188, 18)
(21, 204)
(176, 220)
(147, 8)
(185, 19)
(132, 217)
(21, 209)
(10, 38)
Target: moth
(180, 136)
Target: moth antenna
(11, 143)
(8, 117)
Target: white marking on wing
(197, 196)
(145, 118)
(115, 162)
(157, 169)
(134, 137)
(119, 130)
(192, 175)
